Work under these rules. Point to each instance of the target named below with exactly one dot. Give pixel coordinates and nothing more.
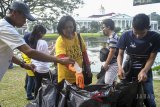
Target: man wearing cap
(10, 39)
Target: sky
(117, 6)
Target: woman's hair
(37, 33)
(62, 23)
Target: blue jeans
(30, 82)
(148, 90)
(149, 99)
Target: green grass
(12, 93)
(55, 35)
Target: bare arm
(109, 58)
(142, 76)
(150, 62)
(22, 64)
(119, 61)
(16, 60)
(120, 58)
(41, 56)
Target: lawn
(12, 93)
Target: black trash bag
(100, 76)
(91, 96)
(46, 97)
(47, 94)
(104, 54)
(127, 93)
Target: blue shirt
(26, 36)
(143, 46)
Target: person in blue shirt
(140, 45)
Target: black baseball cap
(22, 7)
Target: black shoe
(30, 98)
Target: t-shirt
(9, 40)
(41, 67)
(139, 49)
(72, 49)
(143, 46)
(112, 43)
(28, 61)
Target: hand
(66, 60)
(106, 66)
(79, 80)
(71, 68)
(120, 73)
(29, 66)
(142, 76)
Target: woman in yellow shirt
(67, 45)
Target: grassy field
(12, 93)
(83, 34)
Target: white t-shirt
(9, 40)
(41, 67)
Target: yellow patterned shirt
(28, 61)
(71, 48)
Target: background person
(10, 39)
(141, 48)
(67, 45)
(110, 66)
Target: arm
(142, 76)
(119, 61)
(109, 58)
(43, 57)
(23, 64)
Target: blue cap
(22, 7)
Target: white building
(121, 20)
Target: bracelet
(22, 64)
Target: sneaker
(30, 98)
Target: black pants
(38, 81)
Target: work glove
(78, 73)
(79, 80)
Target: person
(29, 79)
(10, 39)
(30, 76)
(67, 45)
(141, 48)
(42, 68)
(110, 66)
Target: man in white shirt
(10, 39)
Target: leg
(111, 74)
(38, 80)
(30, 87)
(148, 90)
(26, 82)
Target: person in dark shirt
(140, 45)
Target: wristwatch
(22, 64)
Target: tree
(83, 29)
(94, 27)
(48, 9)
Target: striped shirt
(112, 43)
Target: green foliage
(156, 68)
(55, 35)
(95, 27)
(45, 9)
(83, 29)
(117, 29)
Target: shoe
(30, 98)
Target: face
(140, 33)
(19, 19)
(68, 29)
(105, 30)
